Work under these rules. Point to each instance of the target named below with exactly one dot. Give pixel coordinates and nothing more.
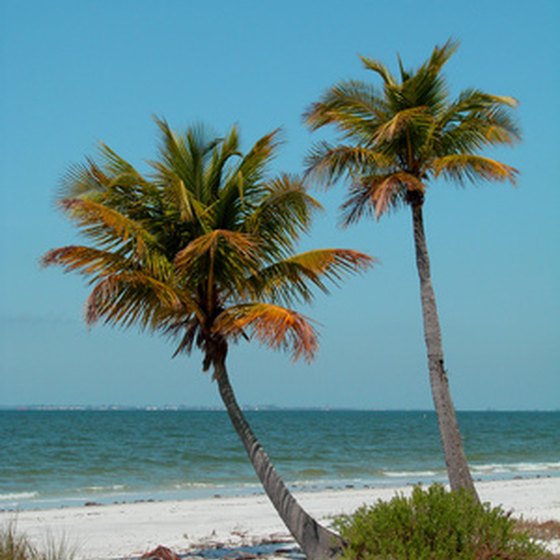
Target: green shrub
(434, 524)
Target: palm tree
(395, 140)
(202, 251)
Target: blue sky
(75, 73)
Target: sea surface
(63, 458)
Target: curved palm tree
(395, 140)
(202, 250)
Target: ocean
(63, 458)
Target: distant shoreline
(246, 407)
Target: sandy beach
(125, 530)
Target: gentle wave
(111, 488)
(504, 468)
(409, 474)
(18, 496)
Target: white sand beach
(124, 530)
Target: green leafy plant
(434, 524)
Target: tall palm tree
(394, 141)
(202, 251)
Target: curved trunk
(455, 459)
(316, 541)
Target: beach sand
(128, 530)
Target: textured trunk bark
(455, 459)
(316, 541)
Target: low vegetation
(15, 545)
(434, 524)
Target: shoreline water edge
(128, 530)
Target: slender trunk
(455, 459)
(316, 541)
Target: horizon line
(245, 407)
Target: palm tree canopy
(397, 137)
(202, 249)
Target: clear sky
(75, 73)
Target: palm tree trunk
(316, 541)
(455, 459)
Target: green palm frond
(283, 214)
(328, 163)
(106, 226)
(440, 56)
(355, 107)
(89, 261)
(210, 244)
(469, 167)
(407, 120)
(129, 298)
(83, 180)
(292, 280)
(272, 325)
(379, 68)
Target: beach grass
(15, 545)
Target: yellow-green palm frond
(218, 263)
(178, 199)
(284, 212)
(328, 163)
(406, 121)
(107, 226)
(243, 249)
(219, 166)
(185, 156)
(254, 165)
(441, 55)
(134, 298)
(293, 279)
(83, 180)
(120, 170)
(355, 107)
(89, 261)
(470, 167)
(377, 194)
(272, 325)
(379, 68)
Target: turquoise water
(55, 458)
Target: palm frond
(377, 194)
(355, 107)
(404, 121)
(380, 69)
(284, 212)
(470, 167)
(441, 55)
(328, 163)
(292, 279)
(242, 248)
(107, 226)
(272, 325)
(89, 261)
(128, 298)
(83, 180)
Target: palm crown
(202, 249)
(399, 137)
